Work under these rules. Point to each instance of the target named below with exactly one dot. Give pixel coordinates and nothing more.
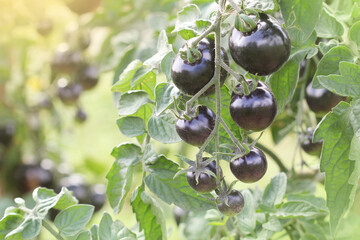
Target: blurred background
(58, 61)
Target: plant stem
(48, 227)
(233, 138)
(198, 94)
(233, 5)
(237, 76)
(274, 157)
(217, 89)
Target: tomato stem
(237, 76)
(235, 6)
(233, 138)
(217, 89)
(48, 227)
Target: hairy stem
(217, 89)
(233, 138)
(237, 76)
(48, 227)
(235, 6)
(198, 94)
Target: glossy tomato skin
(321, 101)
(255, 111)
(206, 183)
(251, 167)
(198, 129)
(191, 77)
(263, 50)
(308, 145)
(235, 204)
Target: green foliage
(143, 38)
(162, 183)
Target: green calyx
(190, 54)
(244, 23)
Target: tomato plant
(201, 89)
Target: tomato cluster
(261, 51)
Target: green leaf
(105, 227)
(29, 229)
(120, 175)
(94, 232)
(149, 215)
(8, 223)
(296, 17)
(313, 228)
(329, 64)
(186, 21)
(328, 26)
(142, 78)
(150, 156)
(162, 128)
(124, 82)
(131, 101)
(260, 5)
(47, 198)
(354, 33)
(84, 236)
(164, 96)
(163, 48)
(274, 192)
(337, 130)
(131, 126)
(293, 209)
(317, 202)
(247, 218)
(346, 84)
(283, 82)
(113, 230)
(273, 224)
(327, 46)
(161, 182)
(71, 220)
(166, 65)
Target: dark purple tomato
(302, 68)
(321, 101)
(7, 132)
(70, 93)
(251, 167)
(191, 77)
(80, 115)
(234, 204)
(179, 214)
(255, 111)
(308, 145)
(83, 6)
(66, 62)
(88, 76)
(30, 176)
(98, 196)
(80, 189)
(263, 50)
(44, 27)
(206, 183)
(198, 129)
